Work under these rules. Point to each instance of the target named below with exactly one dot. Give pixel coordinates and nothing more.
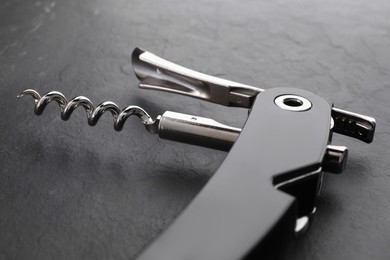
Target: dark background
(70, 191)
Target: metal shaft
(196, 130)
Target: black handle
(240, 213)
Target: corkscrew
(93, 114)
(170, 125)
(264, 193)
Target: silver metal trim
(159, 74)
(302, 104)
(197, 130)
(353, 124)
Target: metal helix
(93, 114)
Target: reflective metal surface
(197, 130)
(354, 125)
(293, 103)
(93, 114)
(160, 74)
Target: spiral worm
(93, 114)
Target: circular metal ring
(293, 103)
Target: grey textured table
(70, 191)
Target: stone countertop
(70, 191)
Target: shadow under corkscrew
(93, 114)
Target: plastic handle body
(240, 213)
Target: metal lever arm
(157, 73)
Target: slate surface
(70, 191)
